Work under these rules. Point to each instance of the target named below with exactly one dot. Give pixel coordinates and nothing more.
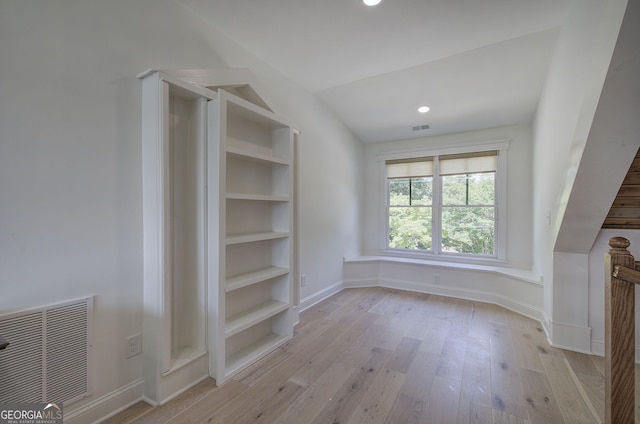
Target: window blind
(410, 168)
(469, 163)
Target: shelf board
(261, 197)
(244, 280)
(248, 238)
(255, 156)
(253, 352)
(239, 106)
(253, 316)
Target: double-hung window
(410, 203)
(443, 204)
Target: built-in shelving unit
(218, 215)
(250, 233)
(174, 144)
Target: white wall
(70, 164)
(563, 123)
(616, 127)
(518, 186)
(70, 158)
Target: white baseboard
(106, 406)
(545, 326)
(182, 378)
(318, 297)
(459, 293)
(569, 336)
(597, 348)
(361, 283)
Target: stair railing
(621, 276)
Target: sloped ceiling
(611, 147)
(476, 63)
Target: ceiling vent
(420, 127)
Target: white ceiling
(476, 63)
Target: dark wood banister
(621, 276)
(627, 274)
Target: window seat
(518, 273)
(519, 290)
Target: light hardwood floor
(387, 356)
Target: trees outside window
(459, 217)
(410, 213)
(468, 213)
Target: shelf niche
(251, 312)
(174, 146)
(218, 221)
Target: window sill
(441, 258)
(498, 267)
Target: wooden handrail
(626, 274)
(620, 279)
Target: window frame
(500, 241)
(430, 206)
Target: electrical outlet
(303, 280)
(133, 345)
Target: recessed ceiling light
(424, 109)
(371, 2)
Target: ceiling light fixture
(371, 2)
(424, 109)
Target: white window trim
(502, 146)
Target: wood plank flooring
(377, 355)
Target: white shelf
(251, 301)
(253, 316)
(253, 352)
(253, 112)
(259, 197)
(249, 238)
(245, 280)
(256, 157)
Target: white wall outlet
(303, 280)
(436, 278)
(133, 345)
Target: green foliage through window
(467, 220)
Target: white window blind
(410, 168)
(469, 163)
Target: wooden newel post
(619, 336)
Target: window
(444, 204)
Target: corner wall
(70, 165)
(612, 145)
(563, 124)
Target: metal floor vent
(47, 359)
(420, 127)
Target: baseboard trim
(106, 406)
(513, 305)
(569, 336)
(597, 348)
(183, 378)
(318, 297)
